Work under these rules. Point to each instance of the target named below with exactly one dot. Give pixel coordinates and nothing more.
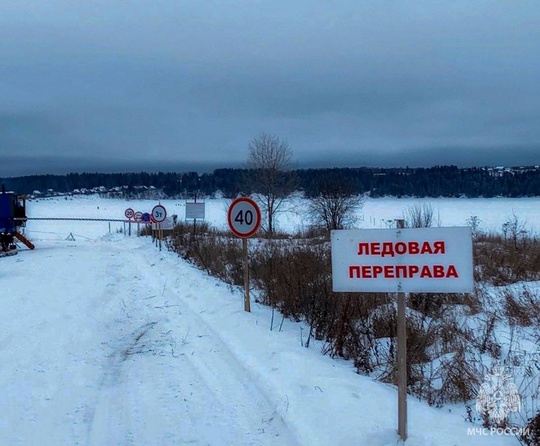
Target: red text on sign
(402, 271)
(392, 249)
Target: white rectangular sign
(412, 260)
(168, 223)
(195, 210)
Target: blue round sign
(146, 217)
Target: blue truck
(12, 219)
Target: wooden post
(402, 358)
(247, 303)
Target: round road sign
(146, 217)
(138, 216)
(244, 217)
(129, 213)
(159, 213)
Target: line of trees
(275, 155)
(439, 181)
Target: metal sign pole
(247, 303)
(244, 218)
(402, 358)
(357, 254)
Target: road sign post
(402, 357)
(159, 213)
(412, 260)
(146, 218)
(247, 300)
(138, 217)
(244, 218)
(129, 213)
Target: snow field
(375, 213)
(108, 341)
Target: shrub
(511, 257)
(532, 437)
(522, 306)
(217, 253)
(293, 275)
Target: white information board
(421, 260)
(195, 211)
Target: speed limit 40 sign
(244, 217)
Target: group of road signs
(158, 215)
(244, 216)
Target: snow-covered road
(111, 342)
(113, 357)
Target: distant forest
(439, 181)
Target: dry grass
(293, 275)
(506, 258)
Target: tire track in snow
(188, 387)
(126, 324)
(230, 381)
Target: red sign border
(126, 211)
(164, 210)
(257, 211)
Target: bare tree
(421, 216)
(336, 206)
(269, 159)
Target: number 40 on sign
(244, 217)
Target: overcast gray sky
(121, 85)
